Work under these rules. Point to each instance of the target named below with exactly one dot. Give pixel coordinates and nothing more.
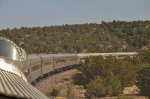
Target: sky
(32, 13)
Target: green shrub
(55, 92)
(80, 79)
(144, 81)
(92, 67)
(145, 56)
(113, 74)
(113, 85)
(96, 88)
(101, 87)
(127, 72)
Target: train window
(71, 59)
(35, 67)
(9, 50)
(46, 63)
(59, 61)
(27, 72)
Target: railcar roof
(64, 54)
(12, 85)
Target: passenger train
(38, 65)
(17, 68)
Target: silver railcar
(12, 79)
(47, 63)
(41, 64)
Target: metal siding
(48, 67)
(14, 86)
(35, 74)
(34, 61)
(82, 55)
(60, 64)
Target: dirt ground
(63, 79)
(47, 84)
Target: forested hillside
(113, 36)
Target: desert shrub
(70, 94)
(113, 85)
(98, 66)
(80, 79)
(127, 72)
(96, 88)
(101, 87)
(116, 73)
(55, 91)
(144, 81)
(93, 66)
(145, 56)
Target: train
(13, 82)
(18, 69)
(38, 65)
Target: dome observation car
(13, 83)
(8, 49)
(11, 57)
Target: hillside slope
(113, 36)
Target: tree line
(115, 36)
